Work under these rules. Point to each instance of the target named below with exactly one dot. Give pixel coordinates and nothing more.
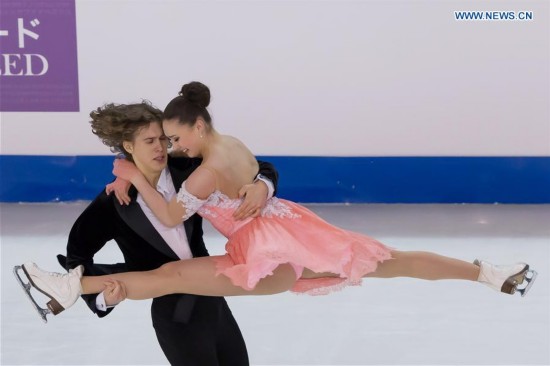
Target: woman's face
(149, 148)
(185, 138)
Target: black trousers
(211, 336)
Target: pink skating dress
(286, 232)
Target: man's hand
(255, 198)
(114, 292)
(120, 187)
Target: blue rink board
(312, 179)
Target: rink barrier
(313, 179)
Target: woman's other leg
(194, 276)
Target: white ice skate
(506, 278)
(62, 289)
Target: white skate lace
(54, 274)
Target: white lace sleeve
(190, 202)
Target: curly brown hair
(116, 123)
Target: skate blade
(511, 284)
(530, 281)
(53, 305)
(26, 286)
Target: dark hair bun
(196, 93)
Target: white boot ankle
(62, 289)
(505, 278)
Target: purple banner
(38, 56)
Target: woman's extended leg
(431, 266)
(426, 266)
(423, 265)
(194, 276)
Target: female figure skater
(287, 247)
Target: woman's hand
(255, 198)
(120, 187)
(125, 169)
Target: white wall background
(331, 78)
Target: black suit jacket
(142, 246)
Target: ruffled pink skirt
(301, 238)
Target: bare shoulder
(235, 142)
(234, 165)
(236, 146)
(202, 182)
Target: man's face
(149, 149)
